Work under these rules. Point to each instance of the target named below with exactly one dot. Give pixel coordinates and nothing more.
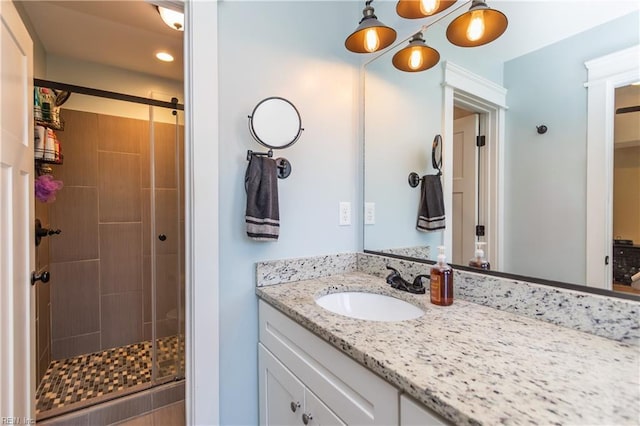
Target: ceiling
(124, 34)
(127, 34)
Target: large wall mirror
(538, 227)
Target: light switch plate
(345, 213)
(369, 213)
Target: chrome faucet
(397, 282)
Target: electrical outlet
(345, 213)
(369, 213)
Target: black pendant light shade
(371, 34)
(415, 9)
(417, 56)
(479, 26)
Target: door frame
(475, 93)
(605, 74)
(202, 331)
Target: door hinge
(480, 231)
(480, 141)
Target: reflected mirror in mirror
(275, 123)
(543, 178)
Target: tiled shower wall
(100, 274)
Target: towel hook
(284, 167)
(414, 179)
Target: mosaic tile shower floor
(72, 380)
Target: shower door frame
(175, 106)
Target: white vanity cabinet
(284, 400)
(297, 366)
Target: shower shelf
(44, 157)
(41, 155)
(53, 122)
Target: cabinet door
(354, 393)
(281, 394)
(414, 414)
(318, 413)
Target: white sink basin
(369, 306)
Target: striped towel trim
(262, 229)
(430, 224)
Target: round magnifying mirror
(275, 123)
(436, 153)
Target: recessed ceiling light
(164, 56)
(172, 18)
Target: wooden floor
(625, 289)
(171, 415)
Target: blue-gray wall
(275, 49)
(545, 177)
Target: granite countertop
(474, 364)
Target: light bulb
(427, 7)
(371, 40)
(415, 59)
(475, 30)
(164, 56)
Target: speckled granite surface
(477, 365)
(609, 317)
(287, 270)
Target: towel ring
(282, 164)
(436, 161)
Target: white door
(465, 188)
(17, 296)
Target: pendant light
(371, 34)
(415, 9)
(480, 25)
(172, 18)
(417, 56)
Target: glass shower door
(167, 237)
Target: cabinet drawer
(355, 394)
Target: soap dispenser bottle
(479, 261)
(441, 281)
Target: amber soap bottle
(441, 281)
(479, 261)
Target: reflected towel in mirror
(431, 209)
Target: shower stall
(110, 322)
